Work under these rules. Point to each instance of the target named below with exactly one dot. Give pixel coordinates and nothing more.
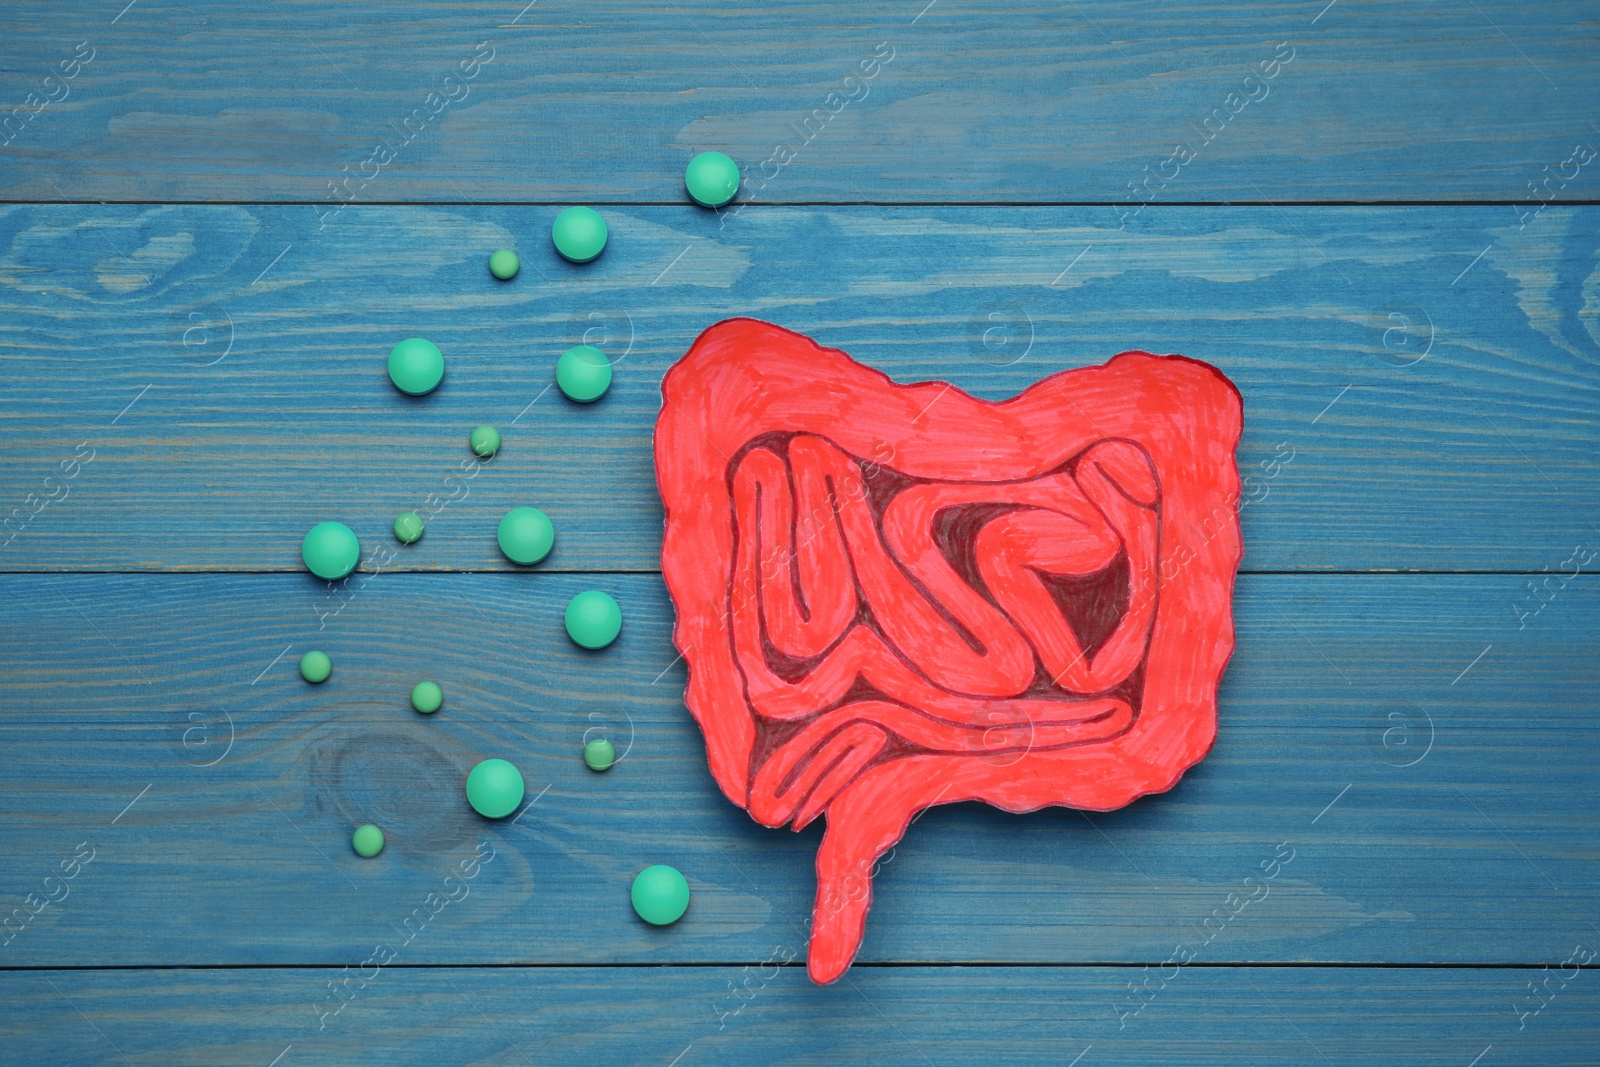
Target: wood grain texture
(1480, 851)
(1425, 744)
(1209, 1017)
(1033, 102)
(226, 365)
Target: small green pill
(494, 788)
(330, 550)
(367, 840)
(712, 179)
(408, 526)
(660, 895)
(315, 667)
(579, 234)
(599, 754)
(485, 441)
(526, 535)
(593, 619)
(584, 373)
(504, 264)
(427, 697)
(416, 366)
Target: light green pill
(416, 366)
(494, 788)
(660, 895)
(408, 526)
(579, 234)
(712, 179)
(593, 619)
(504, 264)
(599, 754)
(315, 667)
(485, 441)
(584, 373)
(330, 550)
(367, 841)
(526, 535)
(427, 697)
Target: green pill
(504, 264)
(526, 535)
(427, 697)
(584, 373)
(712, 179)
(494, 788)
(407, 526)
(579, 234)
(660, 895)
(315, 667)
(416, 366)
(367, 841)
(330, 550)
(593, 619)
(599, 754)
(485, 441)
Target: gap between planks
(778, 205)
(1220, 965)
(221, 572)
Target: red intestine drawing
(895, 596)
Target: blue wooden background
(1384, 227)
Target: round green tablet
(408, 526)
(584, 373)
(330, 550)
(367, 840)
(427, 697)
(416, 366)
(315, 667)
(593, 619)
(526, 535)
(485, 441)
(660, 894)
(712, 179)
(579, 234)
(504, 264)
(599, 754)
(494, 788)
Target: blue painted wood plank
(1428, 764)
(1421, 745)
(1087, 101)
(891, 1016)
(1419, 383)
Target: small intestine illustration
(892, 596)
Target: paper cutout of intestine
(896, 596)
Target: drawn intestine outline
(895, 596)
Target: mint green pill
(408, 526)
(330, 550)
(367, 841)
(712, 179)
(494, 788)
(579, 234)
(504, 264)
(315, 667)
(599, 754)
(584, 373)
(526, 535)
(593, 619)
(427, 697)
(660, 895)
(416, 366)
(485, 441)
